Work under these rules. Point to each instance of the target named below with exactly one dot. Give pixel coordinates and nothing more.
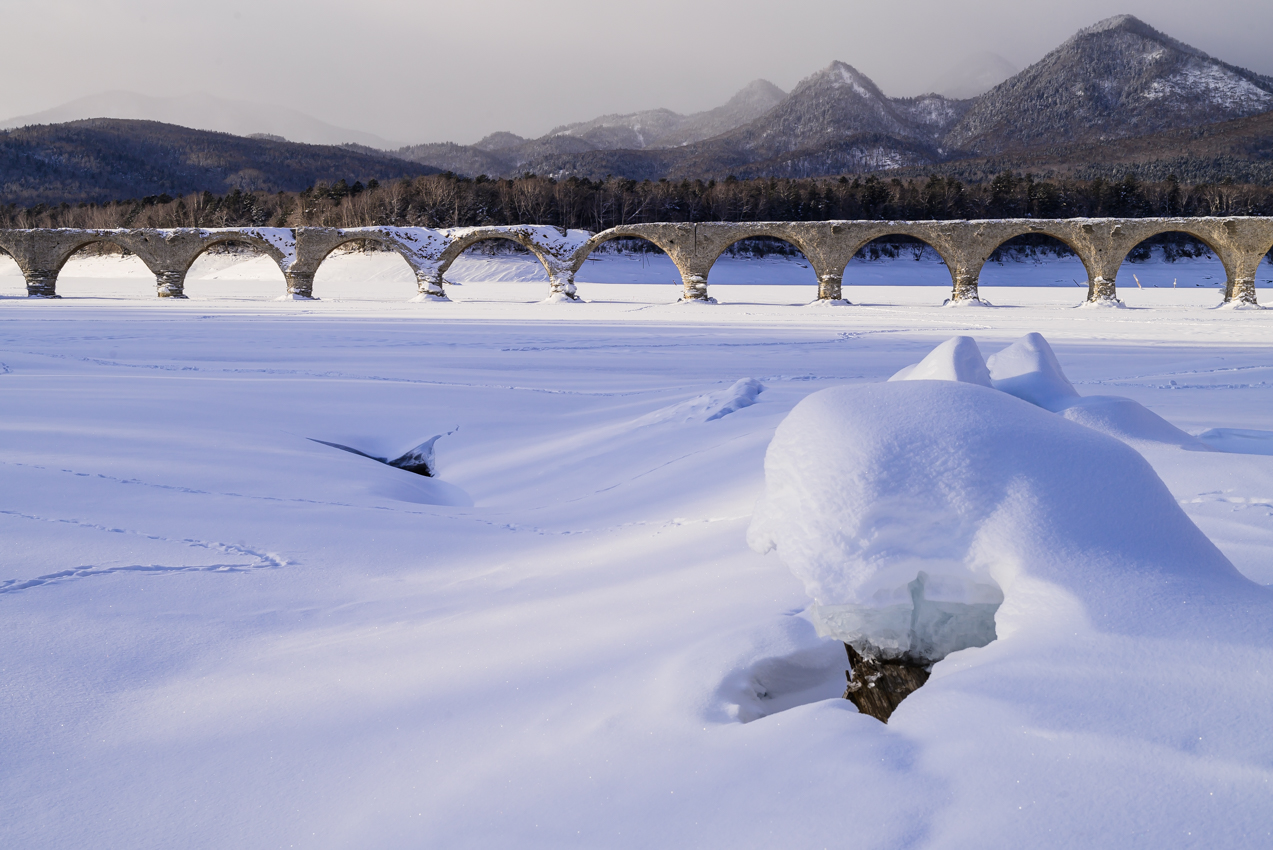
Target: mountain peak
(500, 140)
(1130, 23)
(1117, 78)
(840, 75)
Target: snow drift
(1029, 370)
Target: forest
(446, 200)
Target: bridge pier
(429, 286)
(695, 288)
(41, 283)
(831, 288)
(561, 286)
(170, 283)
(1241, 291)
(1240, 270)
(1102, 292)
(965, 289)
(300, 286)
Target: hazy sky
(436, 71)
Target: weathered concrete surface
(965, 246)
(167, 253)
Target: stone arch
(78, 245)
(943, 248)
(1221, 256)
(1061, 238)
(463, 242)
(677, 241)
(186, 259)
(585, 251)
(821, 271)
(385, 240)
(1064, 238)
(77, 242)
(560, 274)
(581, 255)
(212, 239)
(737, 235)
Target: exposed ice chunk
(956, 359)
(926, 626)
(1030, 371)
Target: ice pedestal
(925, 628)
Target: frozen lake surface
(219, 632)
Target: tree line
(448, 200)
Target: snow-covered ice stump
(913, 510)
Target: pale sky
(455, 71)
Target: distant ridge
(203, 112)
(102, 160)
(506, 154)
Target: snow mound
(709, 406)
(1029, 370)
(956, 359)
(908, 507)
(1238, 441)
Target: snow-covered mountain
(840, 102)
(1116, 79)
(506, 153)
(833, 121)
(203, 112)
(663, 128)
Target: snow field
(220, 633)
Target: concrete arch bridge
(1240, 243)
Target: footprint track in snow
(247, 558)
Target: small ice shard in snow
(742, 394)
(709, 406)
(956, 359)
(418, 460)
